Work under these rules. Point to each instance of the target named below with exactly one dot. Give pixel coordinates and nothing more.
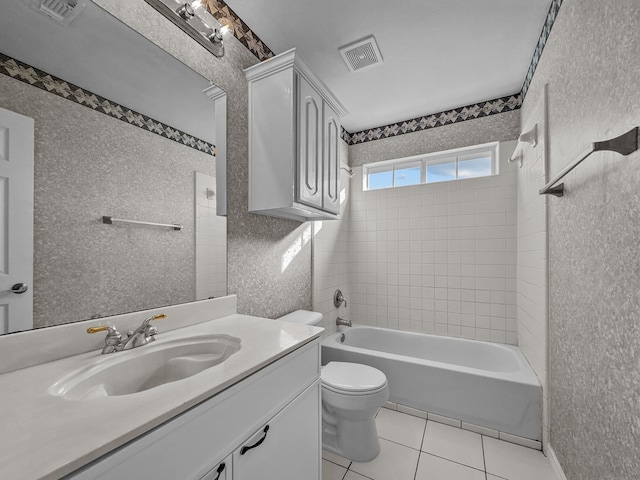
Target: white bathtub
(486, 384)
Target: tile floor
(413, 448)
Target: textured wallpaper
(256, 244)
(592, 67)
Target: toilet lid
(352, 377)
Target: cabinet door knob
(246, 448)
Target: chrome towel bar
(625, 144)
(110, 220)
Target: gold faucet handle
(101, 328)
(159, 317)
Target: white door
(16, 222)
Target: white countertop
(46, 436)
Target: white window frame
(493, 148)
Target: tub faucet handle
(338, 299)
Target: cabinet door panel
(309, 184)
(331, 161)
(289, 449)
(189, 445)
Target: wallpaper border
(456, 115)
(219, 9)
(49, 83)
(554, 8)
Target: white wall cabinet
(294, 141)
(265, 427)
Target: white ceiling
(438, 54)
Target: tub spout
(343, 322)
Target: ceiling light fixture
(194, 19)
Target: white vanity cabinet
(265, 427)
(294, 141)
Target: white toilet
(352, 394)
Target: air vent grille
(62, 11)
(361, 54)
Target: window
(399, 174)
(469, 162)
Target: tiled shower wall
(331, 259)
(437, 258)
(533, 257)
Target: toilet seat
(352, 378)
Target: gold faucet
(142, 335)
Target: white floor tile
(331, 471)
(514, 462)
(493, 477)
(454, 444)
(355, 476)
(400, 428)
(332, 457)
(436, 468)
(395, 462)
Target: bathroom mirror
(95, 158)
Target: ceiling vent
(361, 54)
(62, 11)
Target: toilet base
(354, 440)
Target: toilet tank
(304, 317)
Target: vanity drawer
(189, 445)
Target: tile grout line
(484, 460)
(453, 461)
(424, 432)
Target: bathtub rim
(525, 375)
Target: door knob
(19, 288)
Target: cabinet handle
(219, 471)
(244, 449)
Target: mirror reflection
(121, 129)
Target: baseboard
(555, 464)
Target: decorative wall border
(470, 112)
(554, 8)
(219, 9)
(37, 78)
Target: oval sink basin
(146, 367)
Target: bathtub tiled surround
(330, 268)
(413, 448)
(532, 283)
(437, 258)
